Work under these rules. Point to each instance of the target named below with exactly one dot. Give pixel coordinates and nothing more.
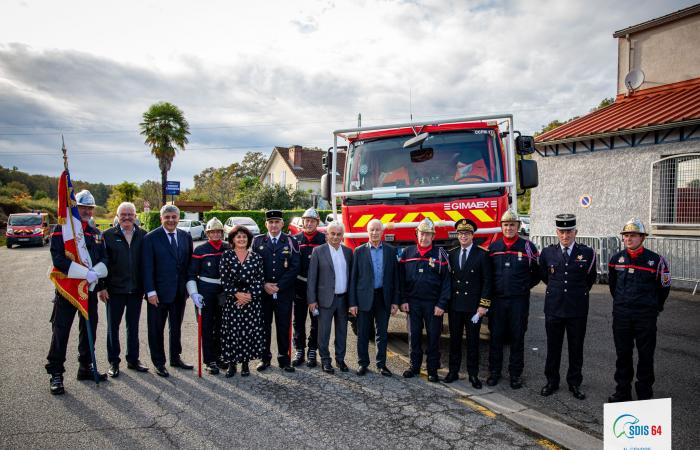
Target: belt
(378, 290)
(210, 280)
(341, 295)
(299, 277)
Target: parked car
(247, 222)
(27, 229)
(296, 225)
(194, 227)
(525, 225)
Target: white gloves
(475, 318)
(198, 299)
(91, 276)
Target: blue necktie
(173, 242)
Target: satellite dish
(634, 79)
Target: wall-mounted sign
(585, 201)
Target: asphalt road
(307, 409)
(677, 365)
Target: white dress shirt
(340, 269)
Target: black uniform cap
(273, 214)
(565, 221)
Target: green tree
(151, 193)
(253, 164)
(166, 129)
(122, 192)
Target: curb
(492, 404)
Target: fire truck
(445, 170)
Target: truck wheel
(9, 245)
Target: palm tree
(166, 129)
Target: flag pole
(91, 340)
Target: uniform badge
(520, 256)
(579, 257)
(651, 263)
(431, 262)
(420, 270)
(621, 260)
(630, 270)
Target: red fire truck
(445, 170)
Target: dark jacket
(95, 247)
(164, 271)
(640, 285)
(124, 275)
(205, 262)
(568, 283)
(306, 246)
(471, 284)
(424, 277)
(515, 268)
(361, 291)
(280, 262)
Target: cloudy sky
(252, 75)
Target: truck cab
(27, 229)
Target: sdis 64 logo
(628, 426)
(640, 425)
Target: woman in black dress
(242, 337)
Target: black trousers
(508, 317)
(458, 322)
(281, 308)
(628, 332)
(211, 325)
(61, 322)
(421, 315)
(301, 310)
(575, 329)
(116, 306)
(157, 315)
(377, 318)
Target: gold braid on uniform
(485, 303)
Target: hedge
(151, 220)
(259, 216)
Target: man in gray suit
(327, 288)
(374, 294)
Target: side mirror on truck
(524, 145)
(326, 187)
(527, 172)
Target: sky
(253, 75)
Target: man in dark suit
(470, 300)
(166, 257)
(124, 288)
(373, 294)
(280, 255)
(569, 271)
(329, 276)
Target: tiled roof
(661, 105)
(311, 162)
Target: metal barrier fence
(683, 254)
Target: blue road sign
(172, 188)
(585, 201)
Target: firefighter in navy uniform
(424, 283)
(471, 297)
(569, 271)
(308, 239)
(640, 282)
(204, 288)
(280, 254)
(515, 272)
(63, 310)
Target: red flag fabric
(72, 289)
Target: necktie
(565, 255)
(173, 242)
(463, 259)
(274, 241)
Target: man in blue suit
(374, 294)
(166, 257)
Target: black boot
(231, 371)
(245, 370)
(57, 384)
(298, 358)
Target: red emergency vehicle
(27, 229)
(445, 170)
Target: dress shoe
(362, 371)
(161, 371)
(213, 368)
(137, 366)
(178, 362)
(576, 392)
(298, 358)
(57, 384)
(433, 376)
(549, 389)
(113, 370)
(327, 368)
(410, 373)
(619, 397)
(245, 370)
(311, 360)
(493, 379)
(287, 368)
(450, 377)
(262, 366)
(342, 366)
(384, 370)
(223, 365)
(516, 382)
(85, 373)
(231, 371)
(475, 381)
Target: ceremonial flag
(75, 290)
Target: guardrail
(682, 254)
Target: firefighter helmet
(85, 198)
(214, 225)
(426, 226)
(634, 226)
(510, 216)
(311, 213)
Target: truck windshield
(19, 221)
(449, 158)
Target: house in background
(300, 168)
